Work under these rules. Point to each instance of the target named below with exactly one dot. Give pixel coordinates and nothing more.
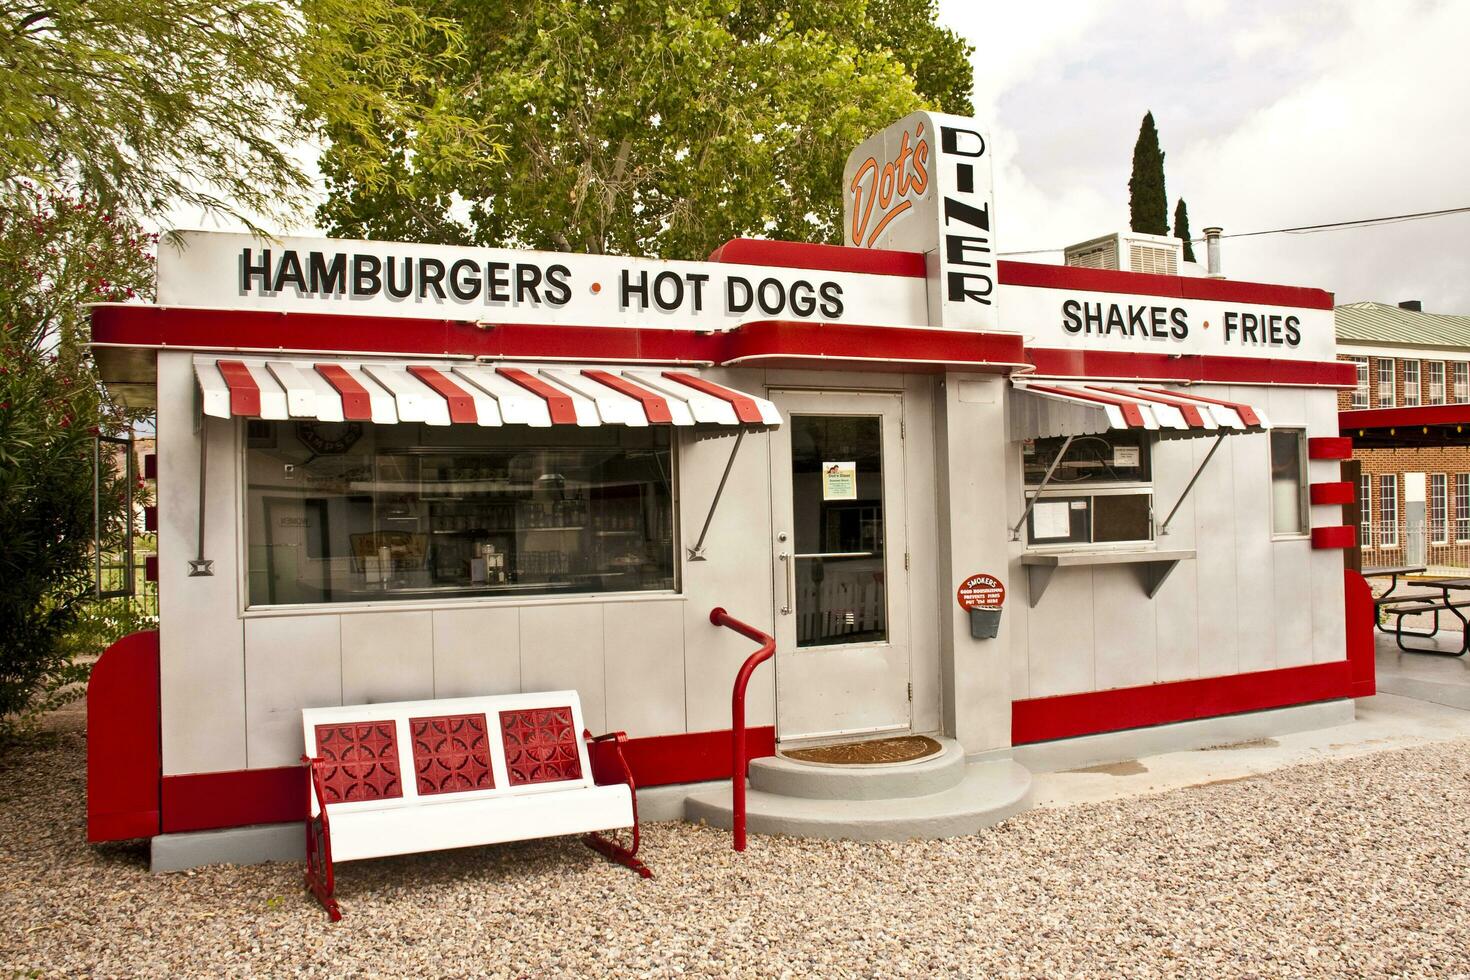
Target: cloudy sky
(1271, 115)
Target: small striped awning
(471, 393)
(1044, 409)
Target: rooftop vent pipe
(1212, 253)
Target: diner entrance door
(839, 555)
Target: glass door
(842, 656)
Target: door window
(837, 512)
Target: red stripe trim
(241, 797)
(1383, 418)
(123, 761)
(827, 258)
(357, 404)
(563, 412)
(1340, 492)
(746, 410)
(808, 343)
(461, 405)
(1203, 368)
(1177, 287)
(1069, 715)
(1131, 412)
(655, 406)
(1330, 447)
(244, 392)
(1190, 412)
(1247, 414)
(1343, 536)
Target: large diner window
(1099, 493)
(353, 512)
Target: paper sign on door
(839, 481)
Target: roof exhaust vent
(1128, 252)
(1413, 305)
(1212, 253)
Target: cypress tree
(1181, 229)
(1148, 205)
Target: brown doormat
(872, 752)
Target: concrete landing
(987, 793)
(921, 777)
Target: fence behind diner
(1443, 546)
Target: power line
(1305, 229)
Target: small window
(1288, 482)
(1365, 510)
(1386, 382)
(1462, 506)
(1360, 389)
(1114, 457)
(1388, 510)
(1411, 383)
(1439, 514)
(1435, 371)
(1098, 492)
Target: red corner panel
(124, 764)
(1341, 492)
(1341, 536)
(1068, 715)
(1360, 617)
(1330, 447)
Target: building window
(1439, 509)
(1388, 510)
(1288, 481)
(351, 512)
(1435, 376)
(1360, 391)
(1460, 375)
(1411, 383)
(1365, 510)
(1099, 492)
(1462, 506)
(1386, 382)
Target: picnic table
(1402, 606)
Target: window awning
(1044, 409)
(471, 393)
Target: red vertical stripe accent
(357, 404)
(244, 392)
(746, 410)
(461, 405)
(560, 404)
(1247, 414)
(655, 406)
(124, 766)
(1330, 447)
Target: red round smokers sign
(982, 592)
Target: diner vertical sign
(924, 185)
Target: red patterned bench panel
(361, 761)
(451, 754)
(540, 745)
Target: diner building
(400, 471)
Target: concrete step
(988, 793)
(810, 780)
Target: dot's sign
(981, 592)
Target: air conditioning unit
(1129, 251)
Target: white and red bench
(413, 776)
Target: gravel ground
(1356, 867)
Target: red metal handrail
(719, 617)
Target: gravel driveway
(1356, 867)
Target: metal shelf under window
(1154, 566)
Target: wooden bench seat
(413, 776)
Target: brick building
(1409, 417)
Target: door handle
(790, 561)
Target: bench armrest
(605, 754)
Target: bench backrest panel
(407, 752)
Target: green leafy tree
(1148, 204)
(639, 127)
(148, 105)
(1181, 229)
(56, 253)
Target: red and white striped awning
(1044, 409)
(470, 393)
